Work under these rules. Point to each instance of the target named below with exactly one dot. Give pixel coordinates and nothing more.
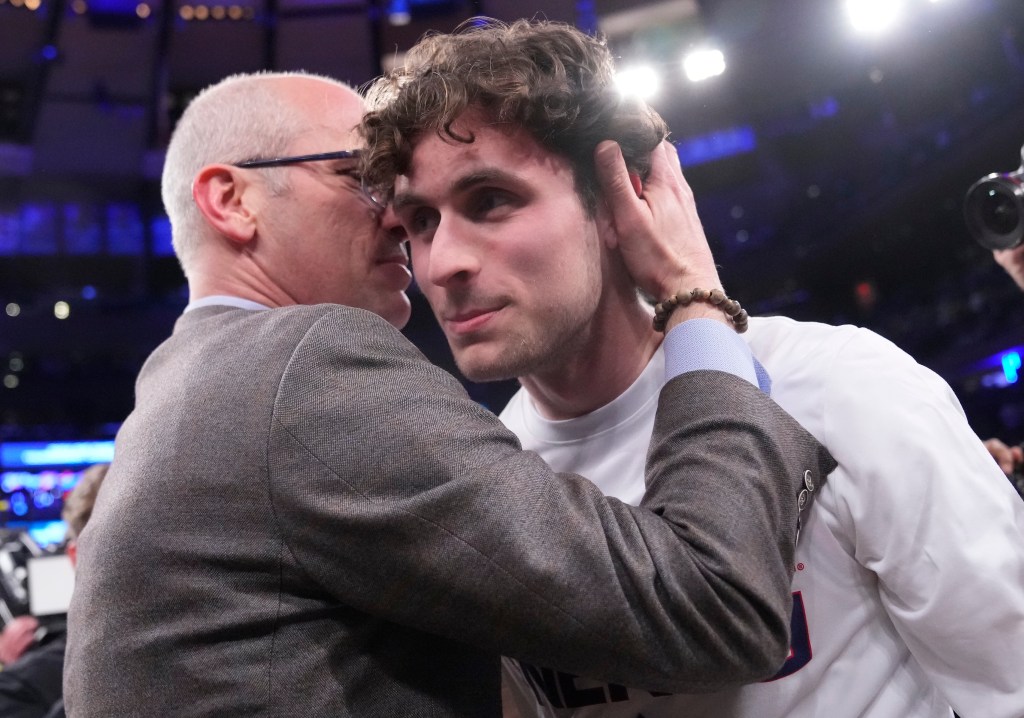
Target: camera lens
(999, 210)
(994, 210)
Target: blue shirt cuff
(706, 344)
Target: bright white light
(873, 16)
(642, 82)
(61, 310)
(13, 310)
(701, 64)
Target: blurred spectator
(78, 506)
(1012, 260)
(1009, 458)
(30, 684)
(17, 636)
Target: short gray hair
(78, 504)
(242, 117)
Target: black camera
(994, 209)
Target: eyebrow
(484, 176)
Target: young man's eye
(489, 201)
(420, 222)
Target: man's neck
(243, 279)
(615, 351)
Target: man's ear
(219, 192)
(605, 225)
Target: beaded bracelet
(737, 315)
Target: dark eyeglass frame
(366, 192)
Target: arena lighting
(716, 145)
(62, 310)
(641, 82)
(873, 17)
(1002, 369)
(29, 454)
(399, 13)
(1011, 367)
(702, 64)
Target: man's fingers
(617, 188)
(673, 152)
(670, 154)
(612, 173)
(667, 173)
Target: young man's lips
(465, 322)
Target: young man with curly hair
(907, 595)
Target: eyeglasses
(374, 198)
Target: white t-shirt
(909, 583)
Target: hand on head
(659, 233)
(656, 227)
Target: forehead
(439, 161)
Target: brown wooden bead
(716, 297)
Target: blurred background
(829, 144)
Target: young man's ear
(219, 192)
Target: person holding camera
(994, 212)
(1012, 260)
(1009, 458)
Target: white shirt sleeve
(935, 519)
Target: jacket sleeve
(403, 498)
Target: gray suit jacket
(306, 518)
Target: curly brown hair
(549, 78)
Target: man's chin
(481, 369)
(396, 309)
